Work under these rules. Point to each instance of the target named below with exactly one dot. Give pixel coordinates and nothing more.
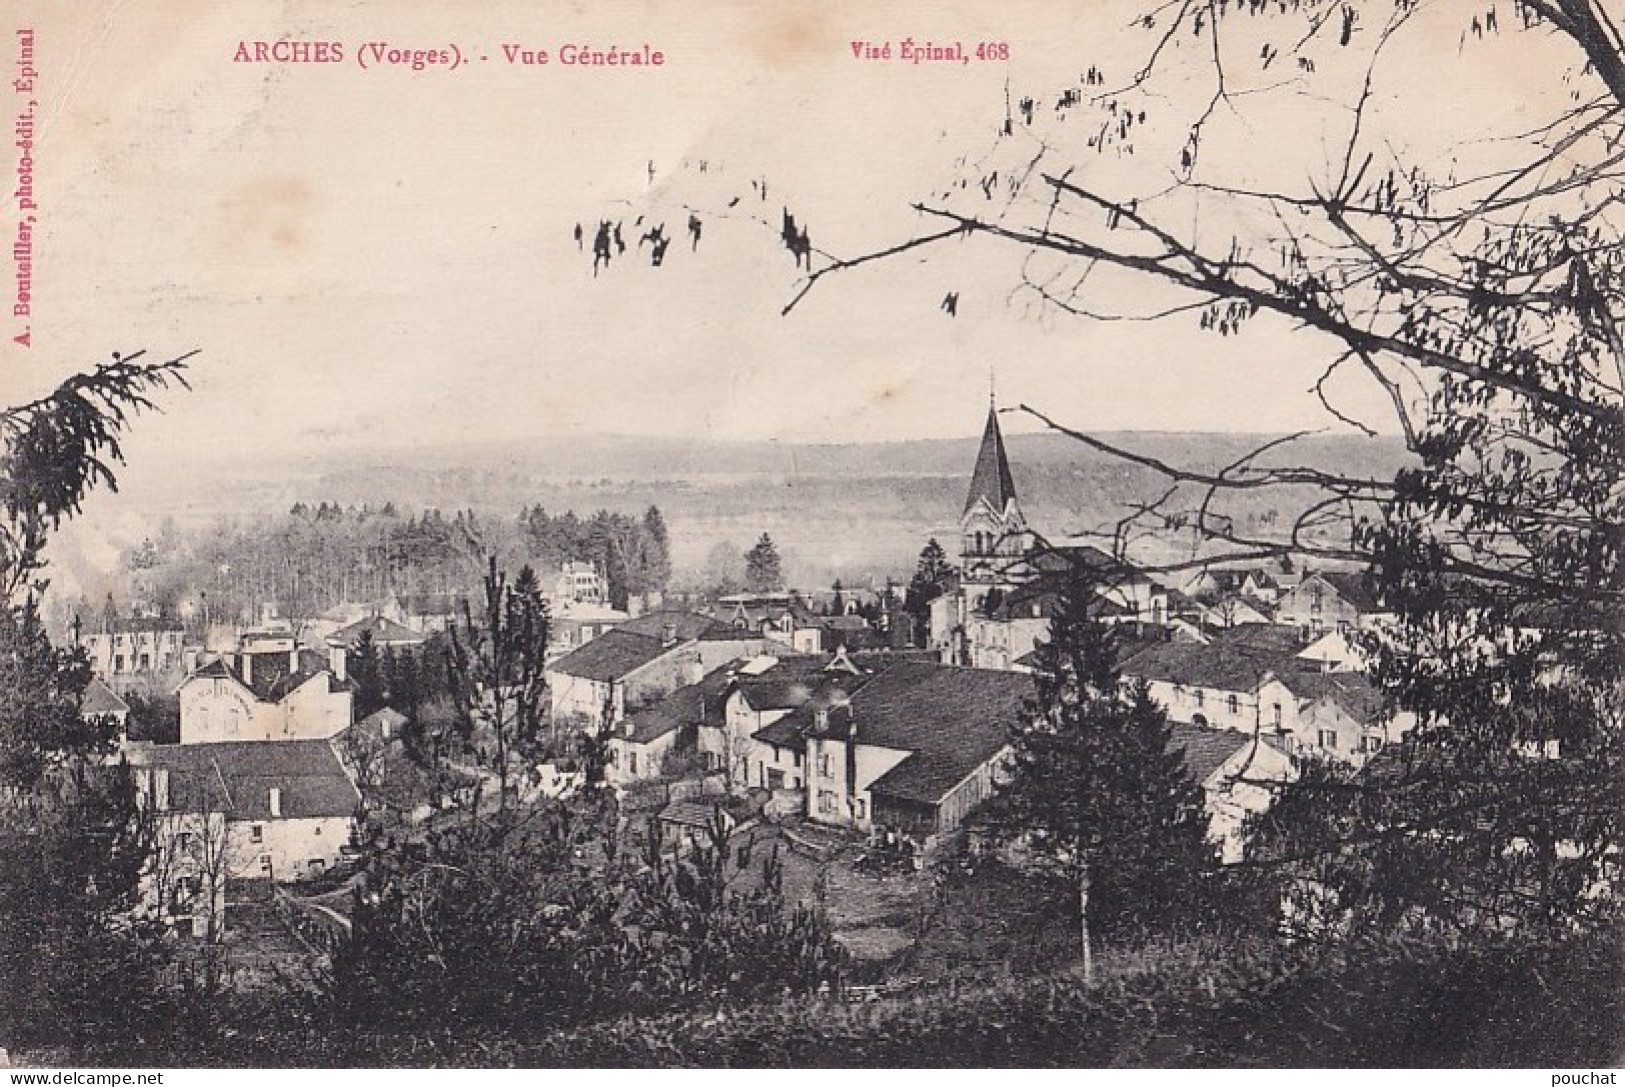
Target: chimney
(668, 634)
(293, 659)
(696, 670)
(160, 790)
(274, 798)
(338, 660)
(821, 720)
(245, 665)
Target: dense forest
(316, 556)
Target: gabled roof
(1215, 666)
(1262, 637)
(696, 704)
(385, 632)
(1353, 692)
(991, 482)
(100, 698)
(686, 625)
(612, 655)
(270, 678)
(236, 778)
(953, 720)
(1206, 749)
(1354, 586)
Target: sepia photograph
(811, 535)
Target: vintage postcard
(812, 534)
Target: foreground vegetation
(1208, 1003)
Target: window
(824, 769)
(1370, 745)
(1275, 715)
(1328, 739)
(1233, 704)
(265, 863)
(632, 762)
(317, 831)
(118, 662)
(860, 809)
(1197, 694)
(256, 833)
(797, 762)
(183, 841)
(826, 802)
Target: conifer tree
(763, 569)
(1099, 791)
(367, 675)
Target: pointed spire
(992, 479)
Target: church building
(1009, 582)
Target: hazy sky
(385, 257)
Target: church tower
(992, 531)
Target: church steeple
(992, 531)
(991, 480)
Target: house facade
(121, 648)
(260, 695)
(242, 810)
(1327, 601)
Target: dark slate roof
(696, 704)
(992, 479)
(1352, 691)
(1072, 558)
(687, 625)
(611, 655)
(272, 681)
(953, 720)
(217, 669)
(236, 778)
(1216, 666)
(385, 632)
(1264, 637)
(1206, 749)
(311, 665)
(99, 699)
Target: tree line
(316, 556)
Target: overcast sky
(385, 257)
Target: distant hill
(859, 511)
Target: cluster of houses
(821, 714)
(1257, 668)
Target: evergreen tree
(933, 576)
(763, 569)
(657, 555)
(837, 604)
(1098, 790)
(366, 675)
(79, 957)
(497, 680)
